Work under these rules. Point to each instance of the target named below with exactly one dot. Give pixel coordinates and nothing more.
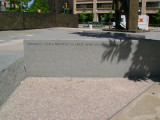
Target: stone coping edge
(10, 78)
(116, 34)
(131, 102)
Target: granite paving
(71, 98)
(145, 107)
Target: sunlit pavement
(48, 99)
(71, 98)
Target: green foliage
(157, 17)
(91, 16)
(39, 4)
(18, 5)
(84, 10)
(110, 16)
(67, 10)
(105, 16)
(154, 25)
(84, 13)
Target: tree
(84, 13)
(91, 16)
(157, 17)
(105, 16)
(41, 5)
(110, 16)
(51, 4)
(18, 5)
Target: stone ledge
(116, 34)
(92, 58)
(10, 78)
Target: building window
(84, 0)
(105, 0)
(5, 5)
(140, 4)
(0, 5)
(84, 5)
(104, 5)
(153, 4)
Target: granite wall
(35, 20)
(11, 20)
(18, 21)
(67, 20)
(113, 57)
(10, 78)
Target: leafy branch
(157, 17)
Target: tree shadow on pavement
(115, 35)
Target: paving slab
(71, 98)
(10, 51)
(11, 45)
(145, 107)
(17, 34)
(66, 98)
(11, 42)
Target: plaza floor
(71, 98)
(75, 98)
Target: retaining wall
(11, 21)
(124, 57)
(10, 78)
(18, 21)
(119, 55)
